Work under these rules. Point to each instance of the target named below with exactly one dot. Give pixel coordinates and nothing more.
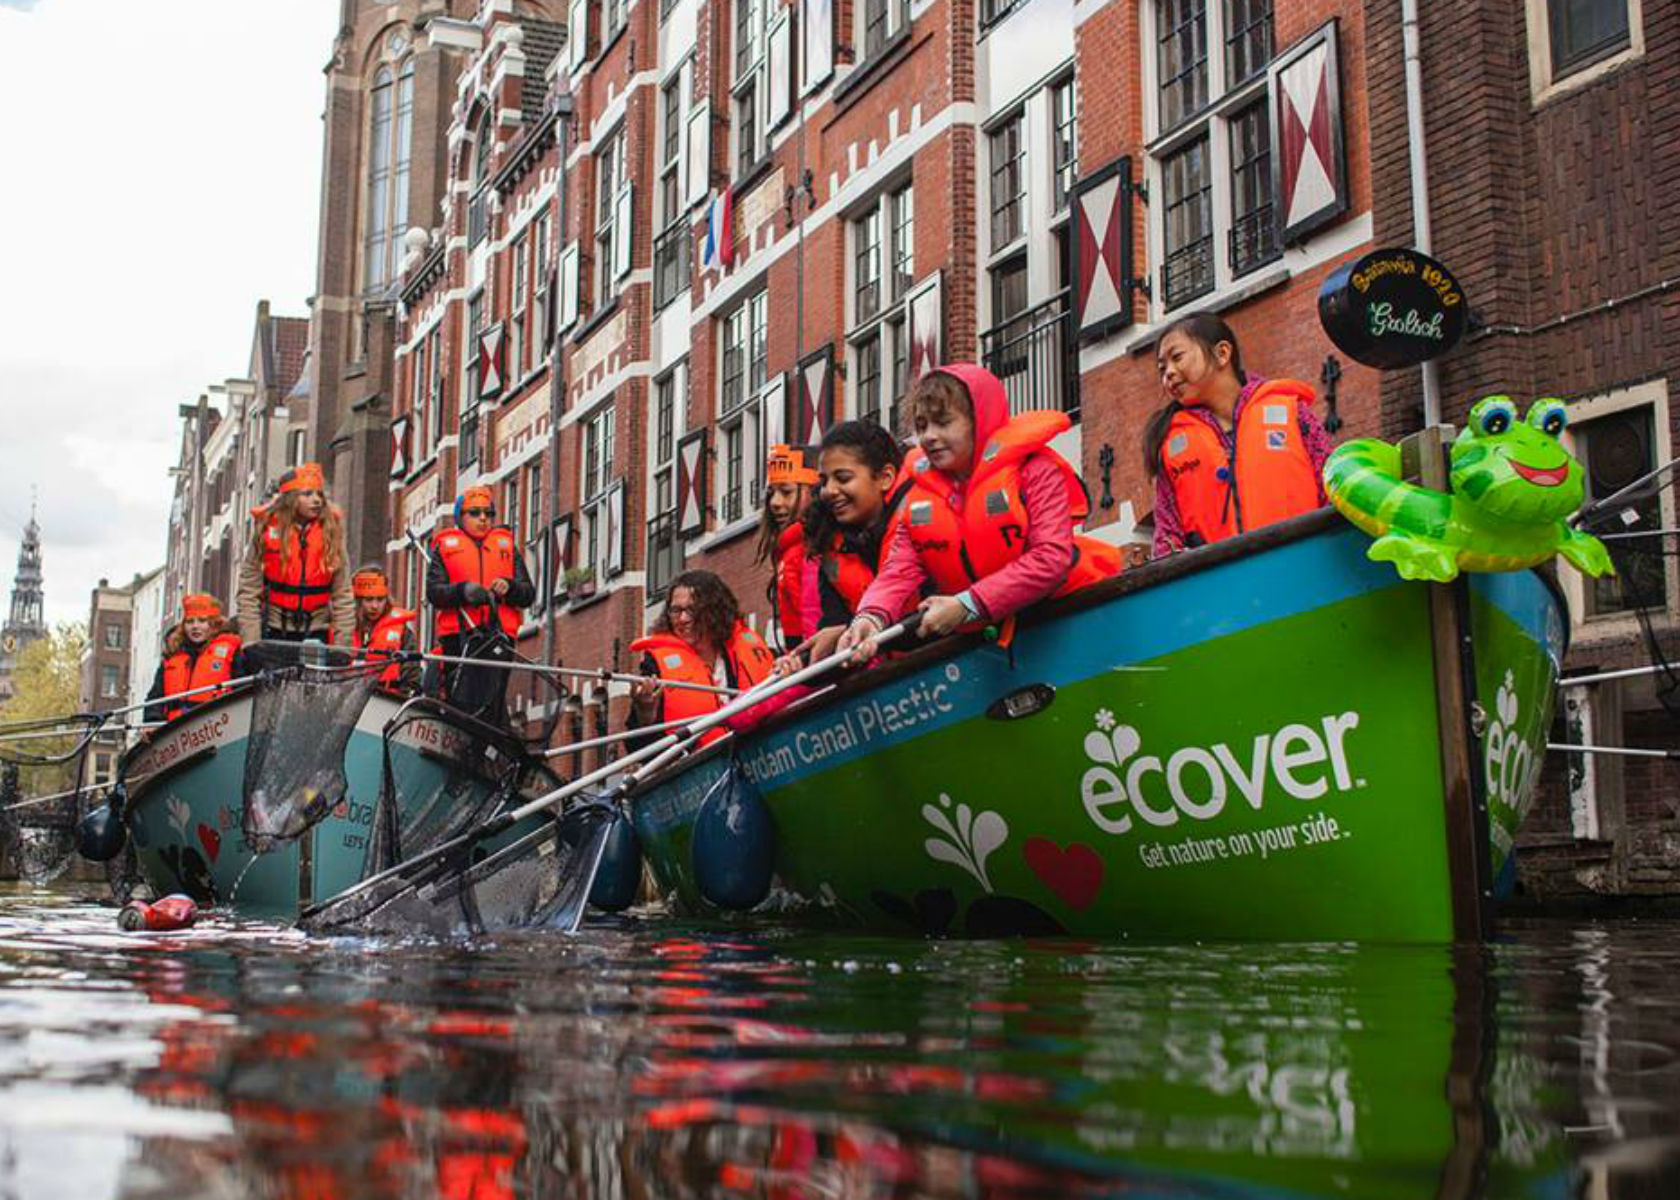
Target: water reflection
(653, 1060)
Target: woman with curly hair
(699, 639)
(293, 583)
(198, 653)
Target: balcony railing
(1188, 273)
(1036, 357)
(1253, 240)
(664, 553)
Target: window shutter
(623, 210)
(568, 286)
(399, 447)
(699, 149)
(1101, 208)
(615, 529)
(560, 556)
(816, 24)
(780, 68)
(812, 411)
(491, 362)
(536, 564)
(577, 34)
(691, 483)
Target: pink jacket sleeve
(810, 598)
(898, 587)
(1044, 564)
(1169, 531)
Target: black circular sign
(1393, 308)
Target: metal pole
(1421, 237)
(556, 385)
(1571, 748)
(1607, 676)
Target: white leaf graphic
(943, 851)
(965, 823)
(178, 813)
(939, 821)
(990, 832)
(1099, 749)
(1126, 742)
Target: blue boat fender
(619, 876)
(733, 850)
(102, 834)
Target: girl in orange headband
(293, 583)
(790, 477)
(199, 652)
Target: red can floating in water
(161, 916)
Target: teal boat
(1272, 737)
(190, 784)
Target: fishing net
(481, 691)
(540, 880)
(44, 794)
(294, 760)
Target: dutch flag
(718, 248)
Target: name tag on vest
(1275, 414)
(1178, 444)
(921, 512)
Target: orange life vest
(1267, 476)
(676, 661)
(183, 672)
(847, 572)
(385, 639)
(296, 582)
(790, 579)
(473, 560)
(959, 548)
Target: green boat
(1272, 738)
(191, 784)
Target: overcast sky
(162, 174)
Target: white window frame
(110, 682)
(385, 177)
(1544, 84)
(540, 297)
(887, 330)
(511, 513)
(749, 85)
(610, 211)
(1213, 121)
(614, 17)
(1654, 395)
(596, 443)
(434, 384)
(662, 469)
(519, 303)
(897, 19)
(533, 501)
(741, 424)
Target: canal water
(653, 1058)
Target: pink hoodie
(1048, 554)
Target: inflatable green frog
(1513, 489)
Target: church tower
(26, 621)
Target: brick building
(390, 87)
(105, 669)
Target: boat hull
(1250, 750)
(186, 787)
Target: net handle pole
(601, 675)
(652, 757)
(1628, 751)
(1616, 495)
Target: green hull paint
(1282, 781)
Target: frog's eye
(1494, 415)
(1549, 416)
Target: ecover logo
(1306, 761)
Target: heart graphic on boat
(210, 840)
(1074, 874)
(1114, 748)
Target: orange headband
(789, 464)
(199, 606)
(305, 477)
(365, 585)
(478, 497)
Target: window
(434, 389)
(1064, 148)
(1253, 236)
(1615, 450)
(612, 19)
(540, 299)
(469, 351)
(673, 250)
(297, 447)
(533, 502)
(1212, 160)
(109, 683)
(594, 485)
(418, 396)
(1008, 182)
(510, 512)
(741, 442)
(1181, 57)
(750, 86)
(1583, 32)
(390, 121)
(113, 636)
(882, 274)
(879, 23)
(478, 219)
(609, 182)
(519, 302)
(664, 549)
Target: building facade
(148, 622)
(26, 620)
(105, 670)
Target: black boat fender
(733, 850)
(619, 877)
(103, 833)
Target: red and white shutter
(400, 442)
(1309, 168)
(490, 362)
(812, 411)
(1101, 207)
(691, 484)
(927, 329)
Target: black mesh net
(294, 760)
(44, 793)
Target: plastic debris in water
(161, 916)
